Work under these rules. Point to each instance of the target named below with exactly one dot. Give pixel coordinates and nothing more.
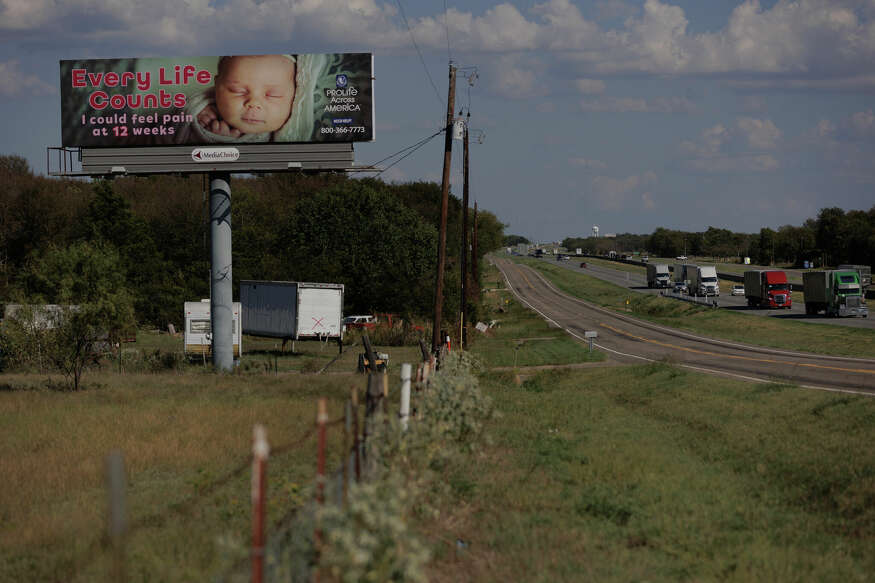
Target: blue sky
(626, 114)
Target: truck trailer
(683, 271)
(703, 280)
(658, 275)
(835, 292)
(767, 289)
(198, 338)
(292, 310)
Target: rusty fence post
(356, 444)
(260, 451)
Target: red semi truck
(767, 289)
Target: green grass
(522, 338)
(802, 336)
(601, 473)
(653, 473)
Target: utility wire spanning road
(631, 340)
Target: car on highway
(681, 258)
(680, 287)
(737, 290)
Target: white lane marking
(698, 368)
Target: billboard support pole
(221, 292)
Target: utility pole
(464, 339)
(436, 339)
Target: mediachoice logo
(341, 81)
(215, 154)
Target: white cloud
(761, 134)
(736, 149)
(14, 82)
(810, 43)
(516, 76)
(590, 86)
(862, 124)
(615, 194)
(638, 104)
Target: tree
(360, 235)
(86, 283)
(514, 240)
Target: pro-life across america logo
(215, 154)
(341, 81)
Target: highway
(630, 340)
(637, 281)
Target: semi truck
(703, 280)
(835, 292)
(865, 273)
(292, 310)
(767, 289)
(198, 338)
(658, 275)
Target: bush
(370, 539)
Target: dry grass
(179, 434)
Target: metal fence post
(404, 414)
(260, 450)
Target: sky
(629, 115)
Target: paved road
(631, 340)
(637, 281)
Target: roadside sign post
(589, 335)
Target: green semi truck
(835, 292)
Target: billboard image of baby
(284, 98)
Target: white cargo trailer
(198, 338)
(292, 310)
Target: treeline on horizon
(378, 239)
(834, 237)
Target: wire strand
(412, 147)
(421, 59)
(447, 29)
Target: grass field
(802, 336)
(652, 473)
(600, 472)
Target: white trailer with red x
(292, 310)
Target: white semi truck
(658, 275)
(703, 281)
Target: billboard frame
(251, 159)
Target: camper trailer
(198, 338)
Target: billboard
(242, 99)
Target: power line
(447, 29)
(422, 60)
(412, 149)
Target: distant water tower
(595, 231)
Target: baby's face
(255, 94)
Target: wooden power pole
(436, 339)
(464, 307)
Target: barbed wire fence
(353, 467)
